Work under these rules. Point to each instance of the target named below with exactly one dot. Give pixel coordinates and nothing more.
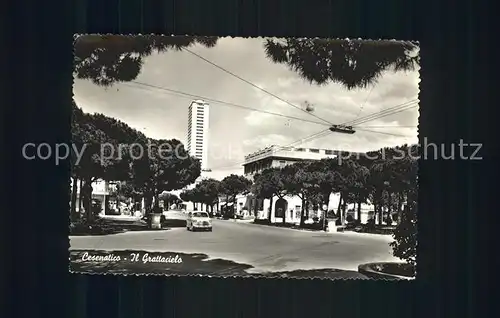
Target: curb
(243, 221)
(290, 228)
(368, 271)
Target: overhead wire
(383, 113)
(388, 126)
(383, 133)
(189, 95)
(365, 119)
(253, 85)
(357, 121)
(364, 103)
(374, 116)
(386, 112)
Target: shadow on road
(107, 227)
(125, 262)
(173, 223)
(110, 226)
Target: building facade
(288, 207)
(197, 136)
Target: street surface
(266, 248)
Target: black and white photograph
(222, 156)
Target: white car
(198, 221)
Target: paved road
(264, 247)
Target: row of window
(313, 150)
(199, 133)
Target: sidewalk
(346, 233)
(120, 217)
(243, 220)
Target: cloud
(235, 132)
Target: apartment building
(197, 135)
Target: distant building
(275, 156)
(197, 136)
(197, 139)
(290, 206)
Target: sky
(235, 132)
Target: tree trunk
(235, 205)
(302, 212)
(389, 212)
(194, 205)
(148, 203)
(378, 203)
(256, 207)
(342, 219)
(269, 214)
(359, 211)
(380, 212)
(400, 206)
(118, 203)
(283, 220)
(327, 202)
(156, 207)
(340, 206)
(87, 199)
(74, 189)
(80, 197)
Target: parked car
(198, 221)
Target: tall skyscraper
(197, 138)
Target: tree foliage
(97, 138)
(189, 195)
(405, 235)
(208, 190)
(100, 136)
(163, 165)
(168, 197)
(108, 59)
(268, 184)
(233, 185)
(150, 167)
(352, 63)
